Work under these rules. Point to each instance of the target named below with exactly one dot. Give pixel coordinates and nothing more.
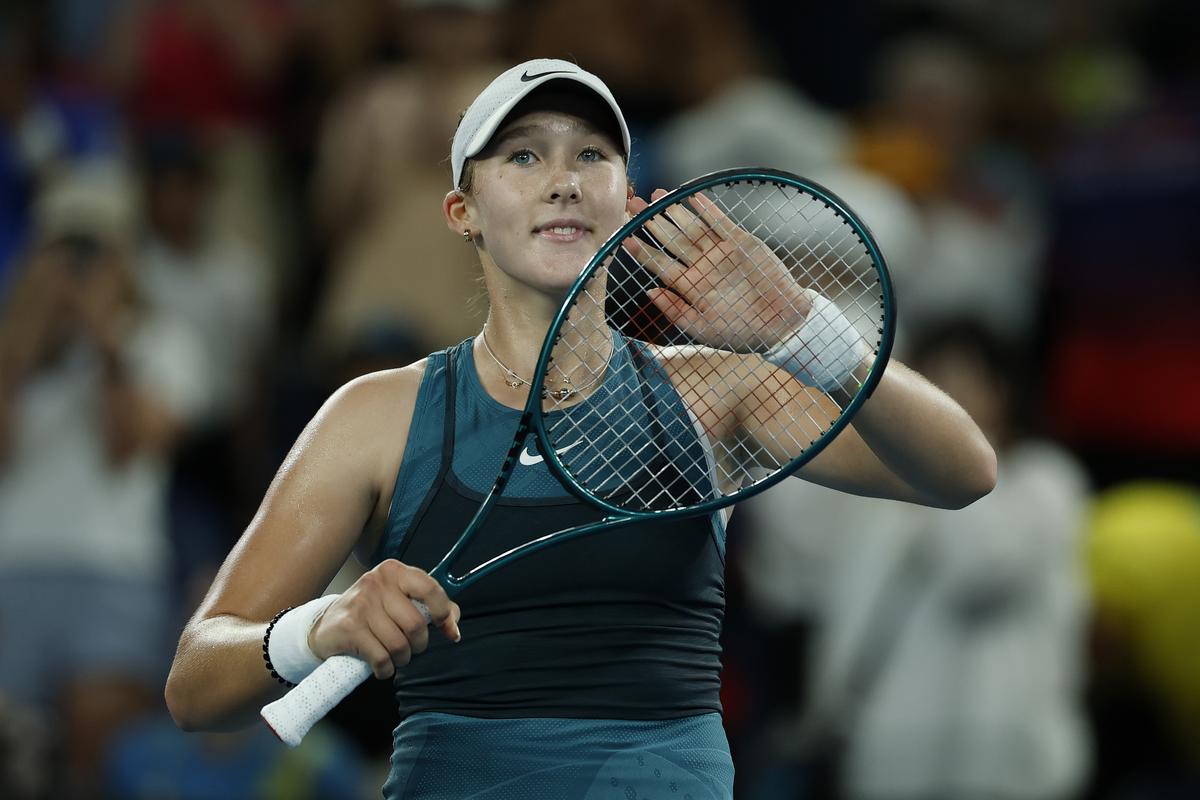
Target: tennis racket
(704, 282)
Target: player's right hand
(376, 620)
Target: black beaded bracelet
(267, 652)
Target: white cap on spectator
(90, 197)
(494, 103)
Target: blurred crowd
(214, 212)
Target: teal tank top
(622, 625)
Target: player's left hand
(725, 287)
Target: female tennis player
(590, 669)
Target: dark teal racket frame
(532, 416)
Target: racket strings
(633, 442)
(635, 445)
(838, 264)
(639, 450)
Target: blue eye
(522, 157)
(591, 154)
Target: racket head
(822, 230)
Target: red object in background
(1132, 384)
(189, 73)
(736, 703)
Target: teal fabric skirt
(450, 757)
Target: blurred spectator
(25, 762)
(204, 64)
(95, 390)
(739, 114)
(194, 270)
(928, 130)
(213, 69)
(734, 112)
(382, 176)
(647, 64)
(42, 127)
(947, 662)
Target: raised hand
(725, 287)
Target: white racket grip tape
(292, 716)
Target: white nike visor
(494, 103)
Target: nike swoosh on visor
(526, 77)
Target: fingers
(676, 227)
(671, 271)
(688, 254)
(390, 644)
(443, 612)
(679, 231)
(677, 310)
(661, 265)
(716, 219)
(382, 618)
(410, 622)
(697, 231)
(690, 284)
(449, 626)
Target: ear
(459, 212)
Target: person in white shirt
(947, 657)
(95, 390)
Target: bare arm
(28, 320)
(331, 493)
(726, 288)
(909, 441)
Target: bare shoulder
(394, 389)
(327, 496)
(362, 422)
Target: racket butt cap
(290, 734)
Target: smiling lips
(561, 230)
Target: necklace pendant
(512, 384)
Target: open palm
(724, 287)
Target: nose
(563, 186)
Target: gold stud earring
(467, 235)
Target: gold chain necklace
(515, 381)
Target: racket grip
(293, 715)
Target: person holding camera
(95, 390)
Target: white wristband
(288, 647)
(824, 351)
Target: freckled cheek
(502, 203)
(615, 201)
